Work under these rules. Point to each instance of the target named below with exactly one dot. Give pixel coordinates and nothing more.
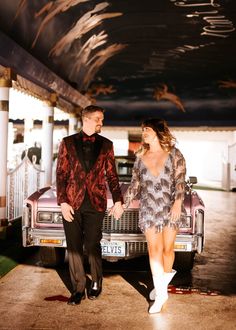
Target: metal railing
(25, 179)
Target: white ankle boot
(167, 279)
(161, 294)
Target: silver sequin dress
(158, 193)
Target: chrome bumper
(135, 244)
(42, 237)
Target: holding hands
(117, 210)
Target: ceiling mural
(162, 93)
(167, 58)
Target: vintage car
(42, 225)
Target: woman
(158, 179)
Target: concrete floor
(32, 297)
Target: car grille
(136, 248)
(127, 224)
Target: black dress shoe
(95, 290)
(76, 298)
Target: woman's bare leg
(155, 250)
(169, 235)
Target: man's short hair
(91, 109)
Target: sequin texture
(158, 193)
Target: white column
(73, 124)
(226, 176)
(47, 142)
(4, 116)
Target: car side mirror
(193, 179)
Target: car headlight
(188, 222)
(57, 218)
(49, 217)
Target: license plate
(113, 248)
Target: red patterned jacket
(72, 179)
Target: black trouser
(84, 232)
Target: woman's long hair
(160, 127)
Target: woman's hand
(175, 211)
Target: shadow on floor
(12, 251)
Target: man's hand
(116, 210)
(67, 212)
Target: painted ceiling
(137, 59)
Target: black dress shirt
(89, 152)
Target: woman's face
(148, 135)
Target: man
(85, 163)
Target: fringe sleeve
(179, 175)
(134, 187)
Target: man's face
(94, 121)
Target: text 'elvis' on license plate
(113, 248)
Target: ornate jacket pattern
(73, 181)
